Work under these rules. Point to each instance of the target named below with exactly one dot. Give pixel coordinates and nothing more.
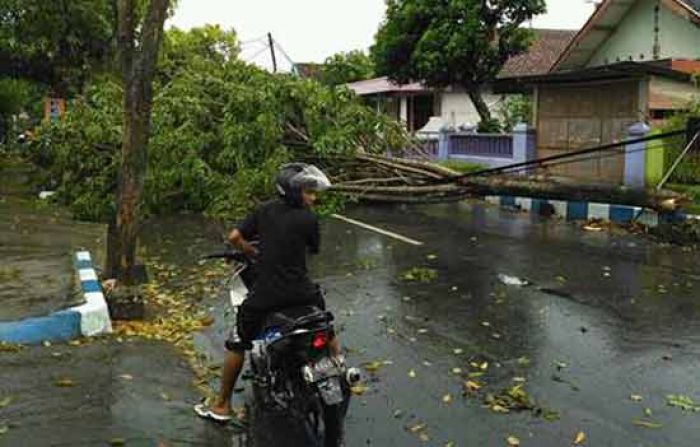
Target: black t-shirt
(286, 234)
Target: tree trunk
(138, 69)
(481, 107)
(424, 183)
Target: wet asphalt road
(621, 312)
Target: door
(574, 117)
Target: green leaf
(685, 403)
(646, 424)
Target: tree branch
(152, 35)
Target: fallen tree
(374, 178)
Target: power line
(257, 39)
(619, 153)
(284, 53)
(258, 53)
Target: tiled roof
(384, 85)
(544, 51)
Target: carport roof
(670, 68)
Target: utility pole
(272, 52)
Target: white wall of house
(633, 38)
(456, 108)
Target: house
(414, 104)
(631, 62)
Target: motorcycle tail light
(319, 341)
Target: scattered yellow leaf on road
(513, 441)
(126, 376)
(207, 321)
(372, 367)
(359, 390)
(499, 409)
(580, 438)
(472, 386)
(65, 383)
(447, 399)
(417, 427)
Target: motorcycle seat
(293, 318)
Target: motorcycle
(292, 369)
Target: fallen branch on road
(374, 178)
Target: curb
(572, 211)
(88, 319)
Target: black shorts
(250, 322)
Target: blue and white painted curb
(572, 211)
(88, 319)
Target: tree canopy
(452, 42)
(342, 68)
(220, 129)
(57, 43)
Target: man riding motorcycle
(286, 229)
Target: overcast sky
(311, 30)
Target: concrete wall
(634, 37)
(456, 108)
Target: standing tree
(137, 45)
(58, 43)
(453, 42)
(342, 68)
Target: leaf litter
(419, 274)
(178, 314)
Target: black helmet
(294, 177)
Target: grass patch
(461, 166)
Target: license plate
(331, 391)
